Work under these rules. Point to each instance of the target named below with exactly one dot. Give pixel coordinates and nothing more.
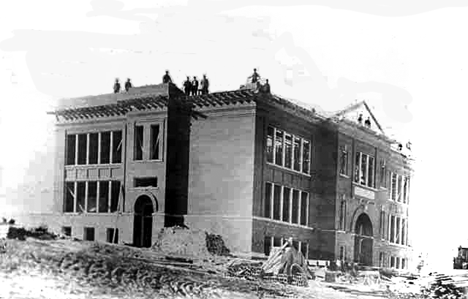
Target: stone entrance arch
(143, 221)
(363, 240)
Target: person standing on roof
(204, 85)
(116, 86)
(187, 86)
(266, 87)
(167, 78)
(194, 86)
(255, 76)
(128, 85)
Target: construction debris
(182, 241)
(215, 245)
(21, 233)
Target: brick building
(248, 165)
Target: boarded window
(286, 203)
(88, 234)
(306, 157)
(92, 197)
(105, 147)
(383, 174)
(279, 148)
(69, 197)
(297, 154)
(80, 197)
(276, 202)
(268, 194)
(112, 235)
(67, 231)
(82, 145)
(267, 245)
(269, 144)
(93, 148)
(117, 147)
(155, 142)
(146, 182)
(71, 148)
(103, 197)
(288, 150)
(295, 207)
(115, 195)
(138, 151)
(304, 208)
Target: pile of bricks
(215, 245)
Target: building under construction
(248, 165)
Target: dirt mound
(182, 241)
(21, 233)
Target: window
(342, 214)
(105, 147)
(392, 261)
(146, 182)
(344, 161)
(268, 195)
(276, 241)
(117, 147)
(297, 154)
(267, 245)
(381, 259)
(269, 145)
(403, 232)
(69, 197)
(381, 222)
(295, 207)
(397, 263)
(400, 191)
(364, 170)
(295, 244)
(138, 152)
(103, 197)
(403, 263)
(405, 189)
(341, 253)
(392, 229)
(305, 156)
(93, 148)
(92, 197)
(279, 148)
(276, 202)
(82, 148)
(289, 151)
(80, 197)
(112, 235)
(398, 236)
(67, 231)
(286, 203)
(304, 208)
(88, 234)
(71, 149)
(383, 174)
(304, 249)
(393, 187)
(115, 193)
(155, 142)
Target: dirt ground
(77, 269)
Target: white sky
(332, 55)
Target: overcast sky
(409, 62)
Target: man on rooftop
(167, 78)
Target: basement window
(88, 234)
(276, 242)
(155, 142)
(146, 182)
(138, 149)
(267, 246)
(67, 230)
(112, 235)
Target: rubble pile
(215, 245)
(21, 233)
(181, 241)
(443, 288)
(246, 271)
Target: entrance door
(363, 240)
(143, 222)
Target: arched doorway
(143, 222)
(363, 240)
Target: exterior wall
(221, 175)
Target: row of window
(112, 234)
(287, 150)
(139, 152)
(286, 204)
(94, 148)
(393, 229)
(395, 262)
(270, 242)
(399, 188)
(91, 196)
